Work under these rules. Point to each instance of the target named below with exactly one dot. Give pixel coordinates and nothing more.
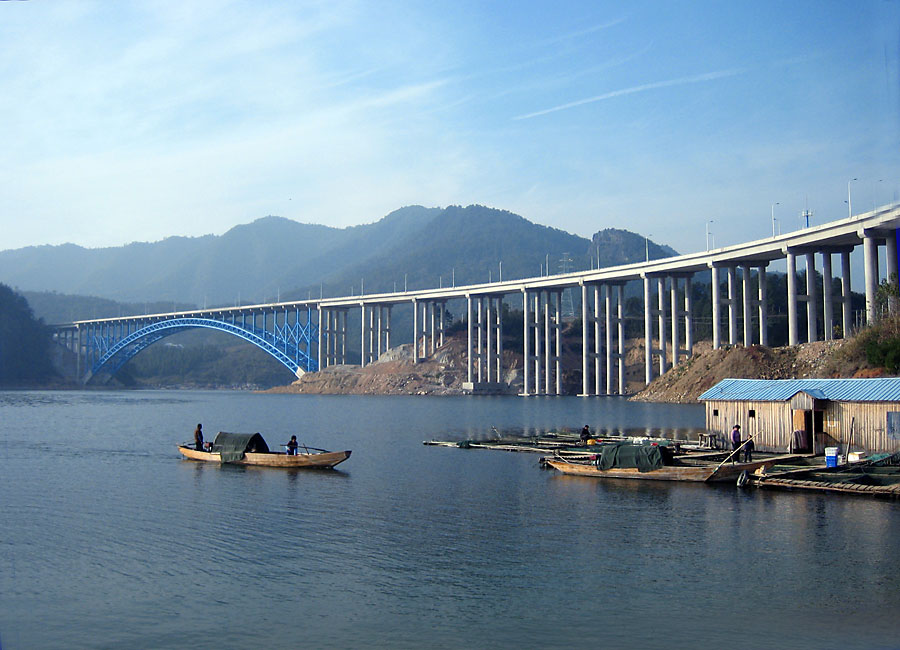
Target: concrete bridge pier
(649, 312)
(747, 277)
(681, 316)
(619, 356)
(526, 342)
(761, 305)
(827, 297)
(589, 322)
(793, 336)
(846, 305)
(812, 302)
(891, 270)
(731, 301)
(715, 295)
(870, 267)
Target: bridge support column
(498, 328)
(676, 316)
(469, 349)
(479, 336)
(557, 359)
(827, 297)
(748, 312)
(432, 318)
(763, 308)
(689, 316)
(608, 309)
(870, 265)
(846, 305)
(732, 305)
(661, 301)
(812, 302)
(620, 323)
(365, 330)
(793, 337)
(891, 271)
(415, 354)
(488, 339)
(586, 322)
(547, 343)
(538, 384)
(322, 354)
(593, 358)
(648, 334)
(526, 342)
(715, 292)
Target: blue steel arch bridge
(287, 332)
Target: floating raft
(856, 478)
(566, 444)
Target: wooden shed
(808, 414)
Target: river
(111, 540)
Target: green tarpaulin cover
(232, 446)
(645, 458)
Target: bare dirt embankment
(442, 373)
(707, 367)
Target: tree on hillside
(24, 342)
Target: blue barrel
(831, 456)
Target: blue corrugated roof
(883, 389)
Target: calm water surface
(111, 540)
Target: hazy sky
(133, 121)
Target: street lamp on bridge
(849, 205)
(773, 217)
(707, 233)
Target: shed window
(752, 413)
(715, 413)
(893, 425)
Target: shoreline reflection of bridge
(307, 335)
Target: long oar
(741, 446)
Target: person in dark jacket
(748, 450)
(735, 442)
(585, 434)
(198, 437)
(292, 446)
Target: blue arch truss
(282, 343)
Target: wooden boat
(251, 449)
(674, 469)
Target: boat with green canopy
(655, 462)
(251, 449)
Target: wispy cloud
(709, 76)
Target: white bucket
(831, 451)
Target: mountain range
(277, 258)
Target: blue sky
(135, 121)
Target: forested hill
(274, 257)
(24, 343)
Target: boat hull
(325, 460)
(712, 473)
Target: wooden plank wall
(773, 425)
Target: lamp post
(773, 217)
(647, 247)
(707, 233)
(501, 271)
(849, 205)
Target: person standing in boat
(735, 442)
(748, 450)
(292, 446)
(198, 437)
